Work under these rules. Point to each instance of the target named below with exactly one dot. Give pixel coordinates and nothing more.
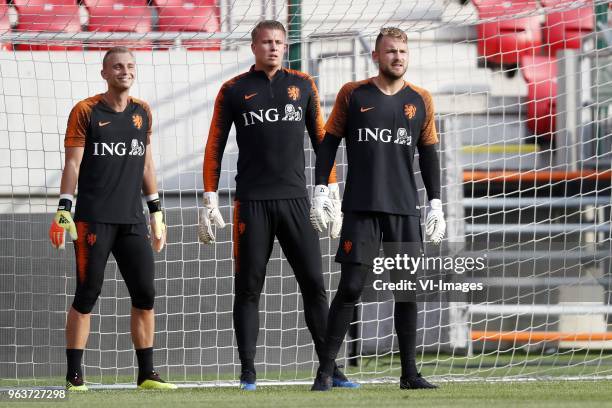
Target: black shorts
(364, 232)
(258, 222)
(131, 247)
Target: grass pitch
(555, 394)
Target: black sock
(405, 327)
(145, 363)
(409, 369)
(352, 281)
(73, 359)
(327, 366)
(247, 364)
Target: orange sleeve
(315, 124)
(217, 139)
(147, 109)
(78, 123)
(336, 123)
(429, 135)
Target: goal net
(522, 95)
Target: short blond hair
(116, 50)
(267, 24)
(392, 32)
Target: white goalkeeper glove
(335, 226)
(321, 209)
(61, 223)
(209, 215)
(435, 226)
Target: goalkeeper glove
(156, 217)
(335, 225)
(62, 222)
(435, 226)
(210, 215)
(322, 209)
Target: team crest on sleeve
(293, 92)
(137, 121)
(347, 246)
(409, 110)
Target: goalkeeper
(270, 106)
(108, 152)
(382, 119)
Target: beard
(388, 73)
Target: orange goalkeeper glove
(62, 222)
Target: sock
(145, 363)
(341, 311)
(409, 369)
(73, 359)
(405, 327)
(327, 366)
(247, 364)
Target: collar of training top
(281, 73)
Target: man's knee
(247, 296)
(350, 291)
(144, 298)
(85, 300)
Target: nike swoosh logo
(247, 97)
(103, 123)
(367, 109)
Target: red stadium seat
(190, 16)
(133, 16)
(5, 25)
(565, 29)
(504, 42)
(540, 73)
(47, 15)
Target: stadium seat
(5, 25)
(540, 73)
(190, 16)
(47, 15)
(503, 42)
(565, 29)
(130, 16)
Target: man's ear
(375, 56)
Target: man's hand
(321, 209)
(435, 226)
(210, 215)
(158, 231)
(156, 217)
(335, 226)
(61, 223)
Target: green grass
(518, 365)
(550, 391)
(552, 394)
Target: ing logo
(347, 246)
(91, 239)
(137, 121)
(241, 228)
